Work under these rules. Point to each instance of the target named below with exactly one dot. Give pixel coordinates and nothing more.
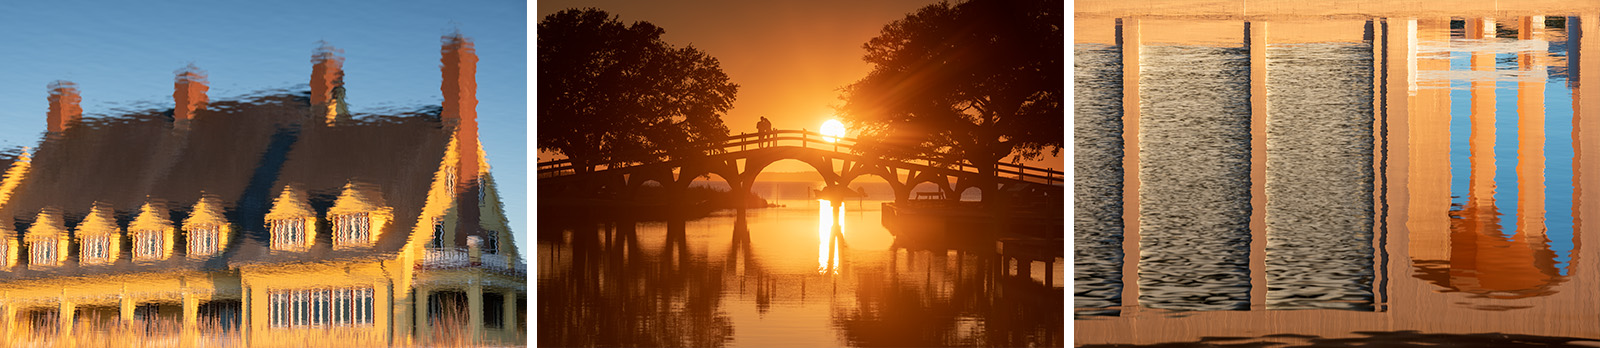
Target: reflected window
(97, 249)
(5, 256)
(148, 244)
(352, 229)
(205, 240)
(491, 242)
(289, 233)
(320, 307)
(438, 235)
(494, 310)
(42, 252)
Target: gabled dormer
(292, 222)
(206, 229)
(99, 237)
(47, 240)
(152, 233)
(358, 216)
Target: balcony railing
(442, 259)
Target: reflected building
(260, 222)
(1406, 173)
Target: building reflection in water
(1422, 170)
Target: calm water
(1381, 175)
(782, 277)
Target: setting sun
(833, 130)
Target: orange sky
(788, 57)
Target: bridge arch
(962, 191)
(821, 164)
(962, 185)
(637, 179)
(720, 170)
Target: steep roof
(243, 153)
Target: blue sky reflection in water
(1467, 215)
(122, 56)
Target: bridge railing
(794, 138)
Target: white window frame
(149, 245)
(289, 233)
(321, 307)
(205, 239)
(97, 248)
(42, 252)
(352, 229)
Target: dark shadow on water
(614, 294)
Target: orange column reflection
(1479, 215)
(1531, 138)
(1485, 260)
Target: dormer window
(42, 252)
(204, 240)
(288, 234)
(206, 231)
(149, 245)
(97, 249)
(352, 229)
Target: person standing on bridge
(762, 128)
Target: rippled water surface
(1321, 178)
(781, 277)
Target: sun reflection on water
(827, 251)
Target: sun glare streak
(832, 130)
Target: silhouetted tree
(609, 91)
(976, 81)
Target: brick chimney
(327, 74)
(189, 93)
(460, 86)
(64, 109)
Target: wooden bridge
(740, 159)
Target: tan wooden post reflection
(1128, 40)
(1429, 150)
(1400, 66)
(1377, 34)
(1256, 41)
(1586, 177)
